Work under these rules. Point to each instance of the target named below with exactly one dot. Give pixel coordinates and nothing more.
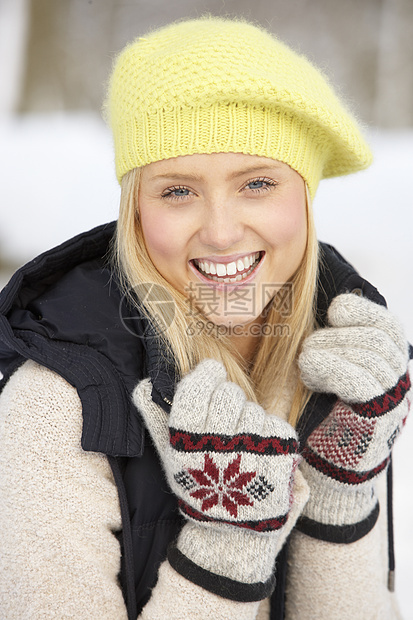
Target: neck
(246, 340)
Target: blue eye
(176, 193)
(256, 184)
(260, 185)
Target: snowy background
(58, 180)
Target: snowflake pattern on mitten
(223, 488)
(228, 488)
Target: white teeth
(218, 271)
(232, 269)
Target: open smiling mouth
(235, 271)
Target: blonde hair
(275, 360)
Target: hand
(362, 355)
(363, 359)
(232, 466)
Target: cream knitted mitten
(362, 358)
(232, 467)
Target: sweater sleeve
(59, 507)
(330, 581)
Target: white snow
(57, 179)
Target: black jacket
(65, 311)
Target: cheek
(162, 237)
(289, 228)
(288, 242)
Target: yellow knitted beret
(216, 85)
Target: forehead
(219, 165)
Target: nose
(222, 227)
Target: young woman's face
(225, 229)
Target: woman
(202, 432)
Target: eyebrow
(252, 169)
(234, 175)
(177, 176)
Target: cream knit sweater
(59, 514)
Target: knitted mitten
(362, 358)
(232, 466)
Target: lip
(227, 286)
(225, 259)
